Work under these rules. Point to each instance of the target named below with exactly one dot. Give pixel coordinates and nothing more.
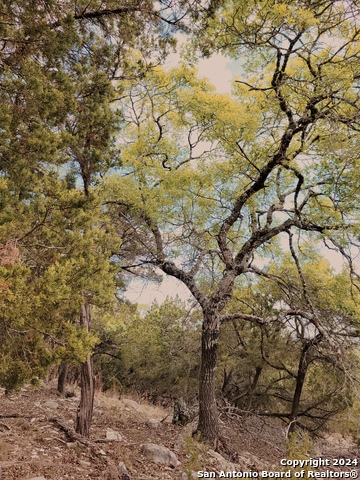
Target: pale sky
(216, 69)
(145, 292)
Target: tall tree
(58, 64)
(215, 181)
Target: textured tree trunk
(63, 371)
(208, 426)
(85, 409)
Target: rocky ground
(130, 440)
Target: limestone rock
(123, 472)
(187, 476)
(51, 404)
(113, 435)
(222, 463)
(153, 423)
(159, 454)
(132, 404)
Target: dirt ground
(33, 444)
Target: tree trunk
(300, 379)
(63, 371)
(254, 383)
(208, 426)
(85, 409)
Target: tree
(297, 372)
(43, 282)
(58, 64)
(155, 353)
(217, 181)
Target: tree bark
(63, 371)
(85, 409)
(254, 383)
(208, 426)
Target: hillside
(34, 443)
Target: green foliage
(212, 184)
(196, 453)
(58, 138)
(104, 160)
(260, 358)
(299, 446)
(157, 352)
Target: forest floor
(34, 443)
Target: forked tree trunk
(208, 426)
(85, 409)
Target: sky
(218, 69)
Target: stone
(153, 423)
(71, 445)
(223, 464)
(37, 478)
(132, 404)
(187, 476)
(122, 469)
(51, 404)
(159, 454)
(113, 435)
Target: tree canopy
(112, 165)
(218, 181)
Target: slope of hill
(37, 441)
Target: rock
(251, 462)
(339, 441)
(223, 464)
(188, 476)
(51, 404)
(153, 423)
(71, 445)
(113, 435)
(122, 468)
(122, 471)
(132, 404)
(159, 454)
(37, 478)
